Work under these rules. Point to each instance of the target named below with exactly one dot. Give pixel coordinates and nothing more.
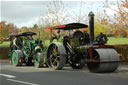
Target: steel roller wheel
(56, 56)
(38, 61)
(78, 65)
(16, 55)
(106, 58)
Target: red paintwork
(91, 53)
(91, 48)
(57, 27)
(102, 46)
(21, 60)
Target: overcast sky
(27, 12)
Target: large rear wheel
(56, 56)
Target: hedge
(121, 49)
(4, 52)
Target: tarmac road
(24, 75)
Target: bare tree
(80, 16)
(121, 13)
(57, 14)
(119, 21)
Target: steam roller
(80, 48)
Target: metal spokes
(54, 56)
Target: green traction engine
(26, 51)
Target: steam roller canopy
(106, 57)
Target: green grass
(5, 44)
(111, 41)
(46, 43)
(117, 40)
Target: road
(24, 75)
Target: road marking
(21, 82)
(8, 76)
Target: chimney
(91, 26)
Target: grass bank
(5, 44)
(117, 40)
(111, 41)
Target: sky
(27, 12)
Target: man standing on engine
(102, 38)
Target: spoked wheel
(27, 51)
(27, 48)
(38, 61)
(16, 55)
(29, 62)
(78, 65)
(108, 61)
(55, 56)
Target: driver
(17, 42)
(101, 38)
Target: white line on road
(21, 82)
(8, 76)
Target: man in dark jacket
(17, 42)
(102, 38)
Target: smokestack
(91, 26)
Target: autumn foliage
(119, 22)
(7, 29)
